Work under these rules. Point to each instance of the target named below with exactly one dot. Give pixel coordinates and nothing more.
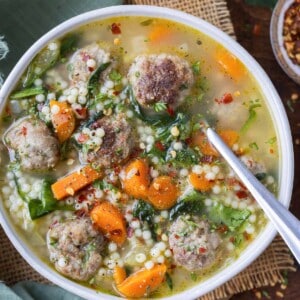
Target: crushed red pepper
(291, 32)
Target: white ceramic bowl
(275, 107)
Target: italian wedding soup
(107, 172)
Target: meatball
(160, 78)
(254, 166)
(84, 62)
(75, 246)
(117, 142)
(193, 245)
(32, 143)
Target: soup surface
(108, 173)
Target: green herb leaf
(153, 119)
(272, 140)
(147, 22)
(27, 93)
(194, 276)
(191, 203)
(160, 106)
(253, 146)
(115, 76)
(196, 67)
(183, 158)
(251, 117)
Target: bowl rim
(275, 108)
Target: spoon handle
(284, 221)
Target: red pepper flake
(81, 213)
(81, 198)
(271, 150)
(227, 98)
(159, 146)
(207, 159)
(188, 140)
(82, 138)
(24, 131)
(176, 236)
(232, 239)
(256, 29)
(222, 228)
(172, 174)
(241, 194)
(115, 28)
(91, 69)
(246, 236)
(81, 113)
(173, 267)
(202, 250)
(116, 93)
(170, 110)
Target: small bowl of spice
(285, 36)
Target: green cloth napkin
(28, 290)
(22, 22)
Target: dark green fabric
(22, 22)
(28, 290)
(268, 3)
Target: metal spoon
(284, 221)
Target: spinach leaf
(93, 84)
(251, 117)
(183, 124)
(169, 281)
(183, 158)
(104, 185)
(155, 119)
(261, 176)
(146, 213)
(68, 44)
(27, 93)
(231, 217)
(45, 204)
(191, 203)
(40, 64)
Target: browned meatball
(160, 78)
(74, 247)
(117, 142)
(193, 245)
(32, 143)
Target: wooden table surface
(251, 24)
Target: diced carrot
(143, 282)
(163, 192)
(63, 120)
(230, 137)
(110, 221)
(200, 183)
(70, 184)
(159, 33)
(136, 180)
(200, 140)
(230, 64)
(119, 275)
